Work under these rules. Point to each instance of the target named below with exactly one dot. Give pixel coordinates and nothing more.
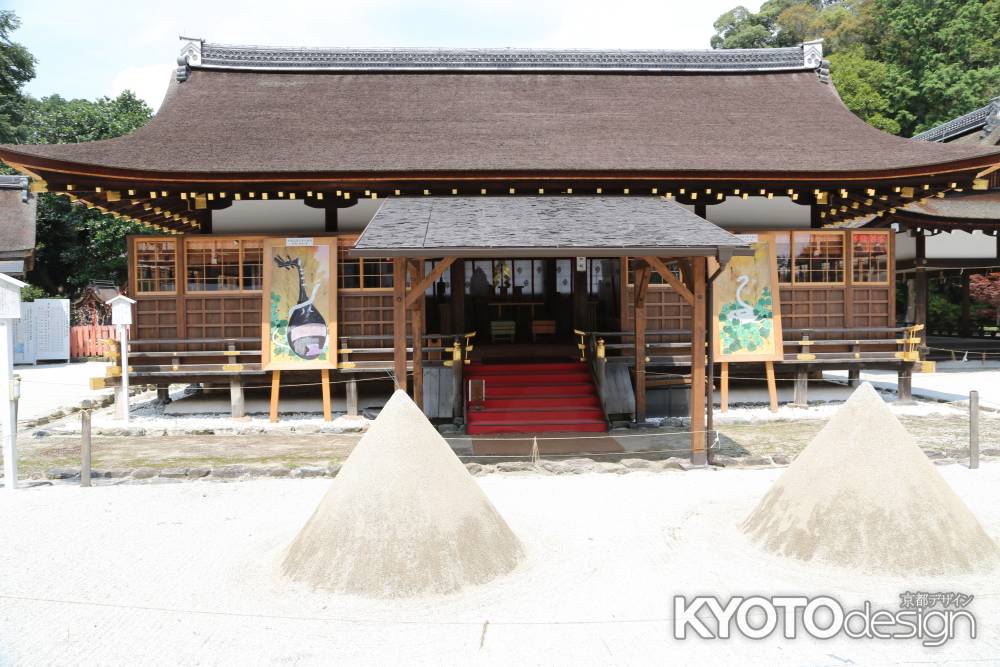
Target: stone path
(944, 437)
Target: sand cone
(403, 517)
(864, 495)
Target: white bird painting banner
(299, 309)
(746, 318)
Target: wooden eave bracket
(661, 268)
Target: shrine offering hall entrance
(528, 306)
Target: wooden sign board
(746, 318)
(299, 328)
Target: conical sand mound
(403, 518)
(864, 495)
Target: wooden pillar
(854, 377)
(580, 298)
(642, 273)
(920, 276)
(904, 384)
(399, 321)
(417, 326)
(352, 397)
(237, 405)
(964, 322)
(699, 454)
(331, 220)
(800, 390)
(458, 296)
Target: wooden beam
(325, 381)
(275, 389)
(724, 387)
(418, 288)
(399, 321)
(642, 274)
(964, 320)
(661, 268)
(458, 297)
(920, 277)
(417, 326)
(772, 386)
(699, 454)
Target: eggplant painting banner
(300, 325)
(747, 313)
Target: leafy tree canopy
(17, 67)
(75, 245)
(902, 65)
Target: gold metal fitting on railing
(600, 348)
(582, 345)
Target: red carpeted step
(533, 398)
(528, 414)
(537, 427)
(538, 390)
(545, 399)
(518, 379)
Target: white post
(123, 335)
(121, 317)
(8, 409)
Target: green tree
(76, 244)
(17, 67)
(901, 65)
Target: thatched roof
(17, 218)
(253, 111)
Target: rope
(966, 353)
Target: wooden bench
(542, 328)
(503, 331)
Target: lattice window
(357, 273)
(223, 265)
(783, 253)
(819, 257)
(870, 257)
(156, 266)
(252, 265)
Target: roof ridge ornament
(812, 53)
(190, 56)
(206, 55)
(992, 118)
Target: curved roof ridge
(200, 54)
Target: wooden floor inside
(524, 352)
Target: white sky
(89, 50)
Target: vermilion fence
(88, 340)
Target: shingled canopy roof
(265, 114)
(542, 227)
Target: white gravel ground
(188, 574)
(47, 388)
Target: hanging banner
(299, 328)
(747, 313)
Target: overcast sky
(87, 50)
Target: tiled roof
(974, 120)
